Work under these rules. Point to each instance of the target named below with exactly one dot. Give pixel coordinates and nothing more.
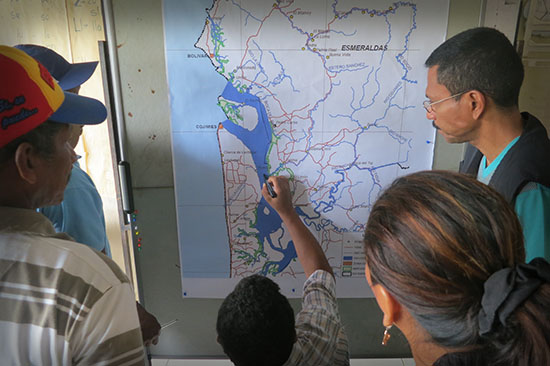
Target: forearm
(310, 254)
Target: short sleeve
(110, 332)
(321, 339)
(533, 209)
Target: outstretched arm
(310, 253)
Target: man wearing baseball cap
(80, 214)
(60, 303)
(69, 76)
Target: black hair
(255, 323)
(41, 138)
(480, 59)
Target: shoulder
(525, 161)
(93, 317)
(533, 197)
(63, 257)
(533, 188)
(321, 338)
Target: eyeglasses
(428, 105)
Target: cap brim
(77, 75)
(80, 110)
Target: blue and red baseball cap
(68, 75)
(29, 96)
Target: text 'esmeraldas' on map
(328, 93)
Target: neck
(498, 128)
(17, 202)
(15, 192)
(425, 351)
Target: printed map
(327, 93)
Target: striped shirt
(61, 303)
(321, 339)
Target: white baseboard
(354, 362)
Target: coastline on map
(199, 182)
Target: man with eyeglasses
(474, 79)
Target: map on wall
(327, 93)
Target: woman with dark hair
(445, 260)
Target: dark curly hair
(255, 324)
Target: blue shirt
(81, 213)
(532, 206)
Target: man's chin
(450, 139)
(56, 199)
(55, 202)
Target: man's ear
(388, 304)
(477, 102)
(26, 162)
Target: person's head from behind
(433, 241)
(255, 323)
(35, 156)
